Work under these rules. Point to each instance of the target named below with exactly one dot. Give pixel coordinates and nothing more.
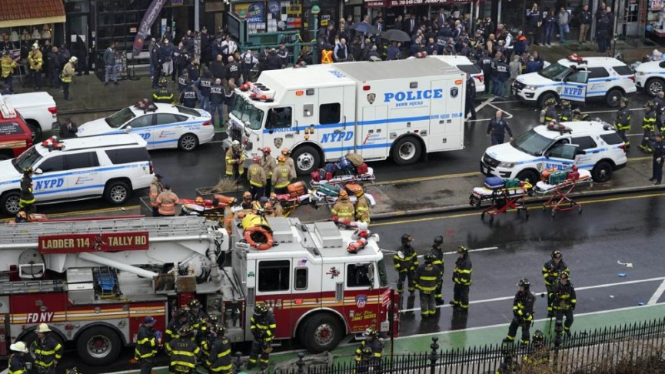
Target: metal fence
(596, 351)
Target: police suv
(650, 76)
(578, 80)
(110, 166)
(592, 145)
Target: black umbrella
(364, 28)
(396, 36)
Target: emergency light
(53, 143)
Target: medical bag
(494, 183)
(330, 168)
(296, 189)
(353, 189)
(545, 175)
(557, 177)
(355, 159)
(330, 189)
(345, 165)
(315, 175)
(513, 183)
(362, 169)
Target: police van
(578, 80)
(650, 76)
(591, 145)
(109, 166)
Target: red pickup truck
(15, 135)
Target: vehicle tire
(9, 203)
(613, 98)
(531, 175)
(406, 151)
(306, 159)
(323, 332)
(545, 97)
(602, 172)
(117, 192)
(35, 130)
(654, 85)
(98, 346)
(188, 142)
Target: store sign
(376, 3)
(110, 242)
(392, 3)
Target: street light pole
(315, 48)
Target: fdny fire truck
(93, 282)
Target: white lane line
(610, 111)
(656, 295)
(506, 114)
(388, 251)
(576, 289)
(506, 101)
(484, 104)
(478, 120)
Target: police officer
(172, 330)
(163, 94)
(485, 64)
(659, 108)
(648, 127)
(47, 350)
(27, 198)
(17, 361)
(262, 326)
(622, 121)
(470, 105)
(204, 85)
(462, 279)
(232, 70)
(406, 261)
(549, 112)
(498, 127)
(362, 206)
(566, 114)
(219, 360)
(658, 159)
(257, 178)
(369, 355)
(281, 176)
(146, 345)
(217, 101)
(196, 316)
(182, 80)
(183, 351)
(268, 164)
(188, 95)
(551, 271)
(564, 304)
(503, 75)
(426, 278)
(247, 62)
(343, 208)
(522, 313)
(438, 261)
(235, 158)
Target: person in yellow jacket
(36, 61)
(268, 164)
(289, 161)
(648, 126)
(362, 206)
(234, 161)
(276, 205)
(327, 55)
(257, 178)
(281, 176)
(343, 208)
(166, 202)
(8, 67)
(66, 77)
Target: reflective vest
(8, 66)
(155, 189)
(263, 327)
(326, 56)
(220, 356)
(67, 73)
(462, 271)
(46, 352)
(427, 277)
(183, 355)
(146, 344)
(166, 202)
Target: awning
(392, 3)
(17, 13)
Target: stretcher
(484, 194)
(342, 179)
(501, 199)
(560, 201)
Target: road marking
(659, 292)
(509, 116)
(505, 101)
(478, 120)
(389, 251)
(576, 289)
(610, 111)
(484, 103)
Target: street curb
(531, 200)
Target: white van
(591, 145)
(109, 166)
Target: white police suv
(650, 76)
(161, 125)
(591, 145)
(109, 166)
(578, 80)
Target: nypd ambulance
(394, 109)
(579, 80)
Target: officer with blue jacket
(497, 128)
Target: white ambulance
(398, 109)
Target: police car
(650, 76)
(161, 125)
(110, 166)
(591, 145)
(578, 80)
(465, 65)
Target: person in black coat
(273, 61)
(470, 105)
(155, 62)
(217, 68)
(54, 66)
(68, 129)
(206, 46)
(81, 52)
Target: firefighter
(183, 351)
(268, 164)
(206, 337)
(181, 317)
(289, 161)
(462, 279)
(549, 112)
(566, 114)
(257, 178)
(156, 188)
(522, 313)
(7, 73)
(648, 127)
(17, 361)
(262, 326)
(369, 354)
(234, 161)
(281, 176)
(362, 206)
(276, 205)
(268, 210)
(426, 278)
(551, 271)
(622, 121)
(27, 198)
(146, 345)
(343, 208)
(36, 62)
(406, 261)
(163, 94)
(564, 304)
(47, 350)
(438, 261)
(166, 202)
(248, 205)
(220, 360)
(540, 355)
(509, 365)
(578, 116)
(196, 316)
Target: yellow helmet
(281, 159)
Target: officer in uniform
(17, 361)
(257, 178)
(146, 345)
(566, 114)
(182, 80)
(438, 261)
(470, 105)
(233, 70)
(234, 161)
(498, 127)
(427, 277)
(281, 176)
(622, 121)
(188, 95)
(522, 313)
(648, 127)
(658, 159)
(163, 94)
(462, 279)
(172, 330)
(406, 261)
(551, 271)
(549, 112)
(368, 356)
(204, 85)
(485, 63)
(564, 304)
(362, 206)
(47, 351)
(343, 208)
(219, 360)
(217, 101)
(183, 351)
(27, 198)
(659, 108)
(262, 326)
(268, 164)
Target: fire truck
(95, 281)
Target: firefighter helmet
(43, 328)
(221, 329)
(28, 170)
(256, 159)
(185, 330)
(625, 100)
(524, 282)
(406, 238)
(438, 240)
(194, 303)
(213, 319)
(343, 194)
(462, 249)
(649, 104)
(538, 336)
(286, 151)
(163, 82)
(181, 313)
(551, 102)
(577, 112)
(565, 274)
(246, 195)
(370, 331)
(281, 159)
(261, 308)
(265, 150)
(429, 258)
(19, 347)
(235, 143)
(556, 254)
(565, 103)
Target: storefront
(390, 9)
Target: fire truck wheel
(98, 346)
(322, 333)
(406, 151)
(9, 203)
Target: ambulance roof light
(366, 88)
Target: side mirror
(39, 171)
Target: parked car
(38, 110)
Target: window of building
(301, 279)
(330, 113)
(274, 275)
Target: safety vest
(146, 344)
(326, 56)
(8, 66)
